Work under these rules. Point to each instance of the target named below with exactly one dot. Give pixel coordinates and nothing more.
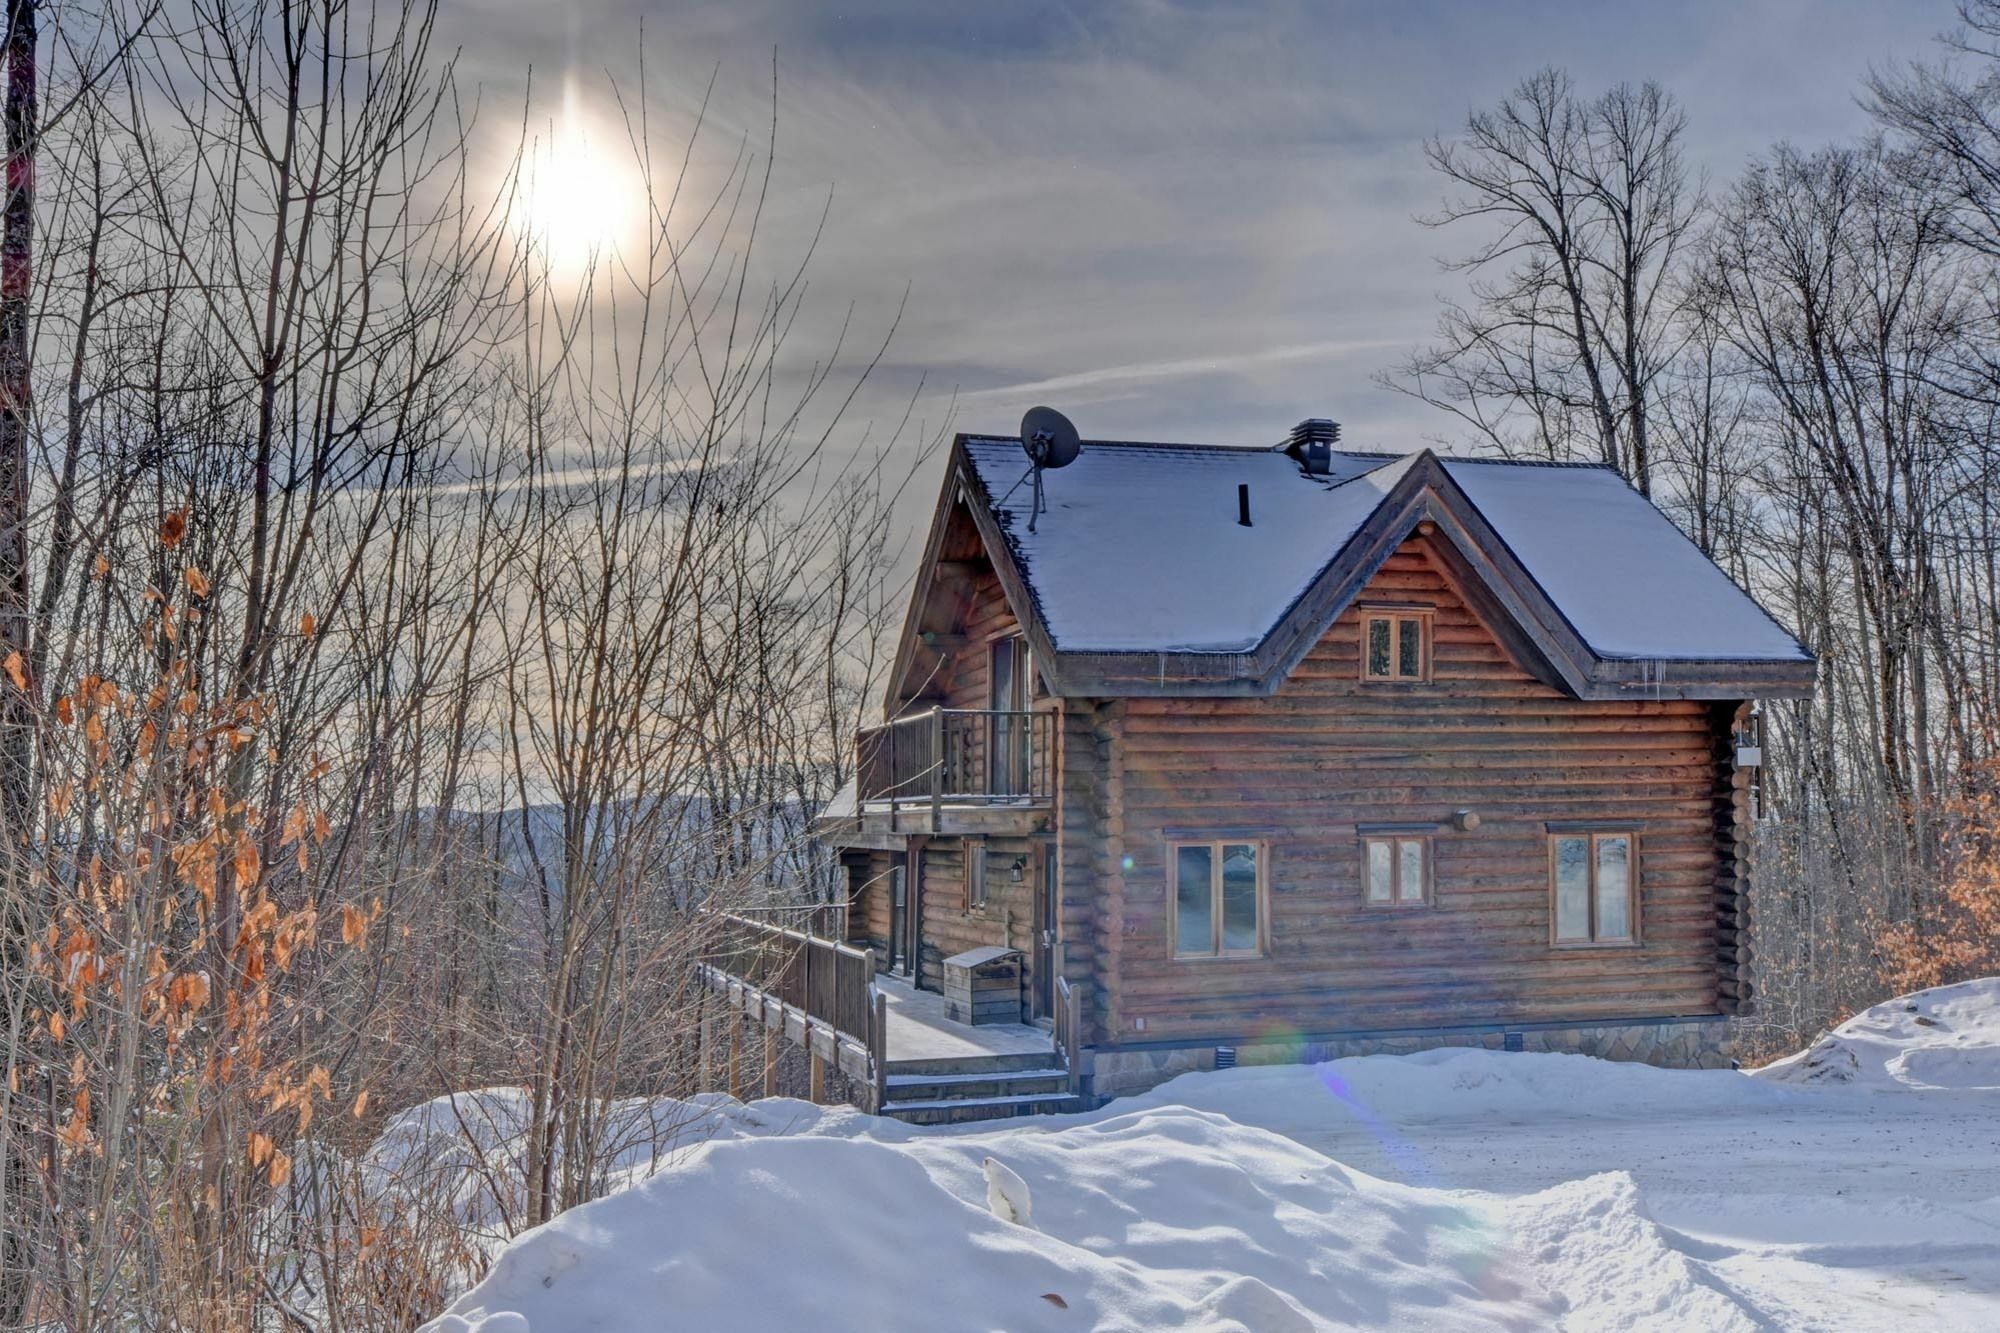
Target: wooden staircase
(977, 1087)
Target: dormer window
(1396, 644)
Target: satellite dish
(1048, 438)
(1049, 441)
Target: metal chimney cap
(1311, 443)
(1322, 430)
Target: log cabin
(1256, 754)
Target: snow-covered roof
(1140, 549)
(1630, 582)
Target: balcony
(956, 771)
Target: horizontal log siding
(1008, 918)
(985, 617)
(1328, 752)
(973, 609)
(869, 913)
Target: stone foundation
(1698, 1043)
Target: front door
(1048, 915)
(899, 917)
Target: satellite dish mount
(1049, 440)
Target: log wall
(985, 617)
(1007, 919)
(869, 911)
(1326, 753)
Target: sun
(581, 198)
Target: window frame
(973, 857)
(1592, 832)
(1395, 835)
(1215, 952)
(1398, 614)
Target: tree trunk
(17, 235)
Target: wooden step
(959, 1110)
(964, 1087)
(904, 1080)
(976, 1064)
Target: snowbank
(471, 1148)
(1608, 1196)
(1164, 1217)
(1946, 1038)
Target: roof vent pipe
(1243, 503)
(1311, 443)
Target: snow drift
(1165, 1217)
(1200, 1205)
(1945, 1038)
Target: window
(1010, 691)
(1593, 881)
(975, 874)
(1218, 893)
(1396, 645)
(1396, 868)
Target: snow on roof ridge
(1193, 446)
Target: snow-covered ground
(1854, 1186)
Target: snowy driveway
(1815, 1207)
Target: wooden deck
(919, 1031)
(883, 827)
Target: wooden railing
(1068, 1034)
(829, 982)
(957, 756)
(828, 921)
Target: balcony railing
(957, 756)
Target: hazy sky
(1172, 221)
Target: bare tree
(1588, 206)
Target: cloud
(1194, 221)
(1086, 384)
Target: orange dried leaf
(361, 1104)
(261, 1148)
(281, 1169)
(197, 581)
(246, 861)
(17, 670)
(172, 528)
(308, 625)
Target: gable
(1466, 651)
(957, 606)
